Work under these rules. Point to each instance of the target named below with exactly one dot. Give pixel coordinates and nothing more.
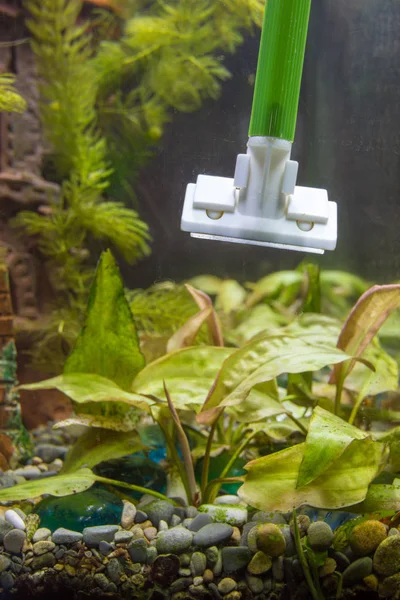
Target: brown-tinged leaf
(203, 301)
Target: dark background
(347, 140)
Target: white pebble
(163, 525)
(12, 517)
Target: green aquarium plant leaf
(231, 296)
(108, 344)
(261, 403)
(96, 445)
(186, 335)
(380, 497)
(328, 437)
(266, 357)
(10, 100)
(83, 388)
(203, 301)
(207, 283)
(188, 374)
(254, 321)
(59, 485)
(271, 481)
(272, 285)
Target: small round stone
(159, 509)
(199, 521)
(43, 561)
(226, 585)
(366, 537)
(227, 499)
(7, 581)
(163, 525)
(208, 576)
(255, 584)
(212, 534)
(319, 536)
(150, 533)
(92, 536)
(198, 563)
(371, 581)
(123, 537)
(128, 515)
(270, 539)
(303, 523)
(66, 536)
(360, 568)
(14, 541)
(235, 558)
(174, 540)
(259, 564)
(43, 547)
(5, 562)
(41, 534)
(14, 518)
(390, 587)
(387, 556)
(328, 567)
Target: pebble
(92, 536)
(66, 536)
(4, 562)
(123, 537)
(49, 452)
(47, 560)
(212, 534)
(227, 499)
(198, 563)
(114, 570)
(191, 512)
(387, 556)
(278, 571)
(255, 584)
(393, 531)
(7, 581)
(43, 547)
(159, 510)
(43, 533)
(390, 586)
(303, 523)
(290, 548)
(5, 527)
(175, 540)
(235, 558)
(357, 570)
(197, 580)
(105, 547)
(163, 525)
(137, 532)
(208, 576)
(175, 520)
(233, 514)
(366, 537)
(259, 564)
(319, 536)
(270, 539)
(151, 554)
(138, 551)
(150, 533)
(226, 585)
(15, 519)
(128, 515)
(56, 465)
(140, 516)
(29, 472)
(328, 567)
(199, 521)
(14, 540)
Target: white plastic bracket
(261, 204)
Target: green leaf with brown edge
(85, 387)
(327, 439)
(188, 373)
(363, 323)
(96, 445)
(186, 334)
(108, 344)
(270, 483)
(204, 301)
(266, 357)
(59, 485)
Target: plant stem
(214, 482)
(231, 461)
(356, 407)
(303, 560)
(340, 585)
(176, 459)
(185, 448)
(206, 461)
(135, 488)
(298, 423)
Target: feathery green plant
(68, 92)
(10, 100)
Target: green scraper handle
(279, 70)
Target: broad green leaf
(108, 343)
(231, 296)
(59, 485)
(364, 321)
(186, 335)
(260, 318)
(116, 416)
(343, 283)
(327, 439)
(261, 403)
(122, 422)
(207, 283)
(320, 329)
(271, 480)
(266, 357)
(272, 285)
(97, 445)
(85, 387)
(380, 497)
(188, 374)
(367, 382)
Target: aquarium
(199, 299)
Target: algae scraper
(261, 204)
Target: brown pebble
(145, 524)
(236, 535)
(208, 576)
(150, 533)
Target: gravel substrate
(163, 552)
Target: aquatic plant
(10, 100)
(227, 398)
